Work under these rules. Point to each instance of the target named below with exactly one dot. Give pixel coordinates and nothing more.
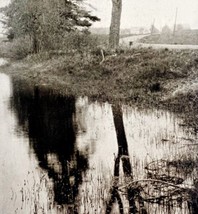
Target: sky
(144, 12)
(4, 2)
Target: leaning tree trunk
(114, 33)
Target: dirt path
(134, 39)
(125, 41)
(169, 46)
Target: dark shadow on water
(48, 121)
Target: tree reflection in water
(162, 185)
(48, 120)
(123, 155)
(49, 123)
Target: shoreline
(165, 79)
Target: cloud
(4, 3)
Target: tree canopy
(43, 20)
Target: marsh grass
(186, 103)
(161, 189)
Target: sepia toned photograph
(98, 107)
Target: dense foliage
(46, 22)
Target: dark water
(67, 155)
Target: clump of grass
(185, 103)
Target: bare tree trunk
(114, 33)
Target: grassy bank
(144, 77)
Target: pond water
(69, 155)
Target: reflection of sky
(150, 134)
(99, 128)
(20, 180)
(3, 3)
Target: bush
(17, 49)
(79, 41)
(83, 44)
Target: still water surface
(68, 155)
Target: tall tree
(114, 33)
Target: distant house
(125, 31)
(139, 30)
(166, 30)
(154, 30)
